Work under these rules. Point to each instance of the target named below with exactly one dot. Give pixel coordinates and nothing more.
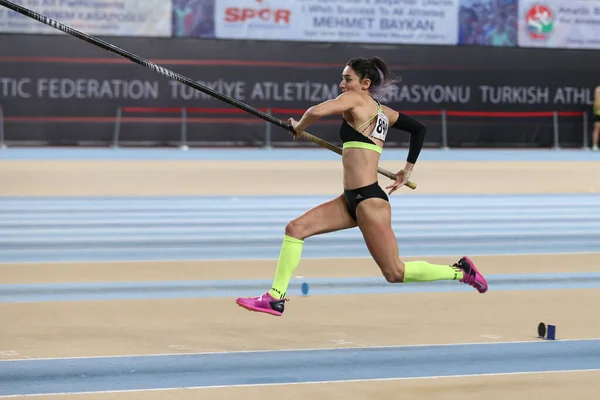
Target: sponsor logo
(262, 13)
(539, 21)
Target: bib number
(381, 128)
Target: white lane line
(303, 350)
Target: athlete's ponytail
(378, 72)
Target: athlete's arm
(344, 102)
(417, 134)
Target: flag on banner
(194, 18)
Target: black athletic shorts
(355, 196)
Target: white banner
(559, 24)
(95, 17)
(364, 21)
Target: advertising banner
(364, 21)
(559, 24)
(96, 17)
(63, 97)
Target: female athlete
(365, 124)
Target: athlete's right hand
(294, 124)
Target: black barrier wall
(60, 90)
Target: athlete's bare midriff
(360, 167)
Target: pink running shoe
(264, 303)
(471, 275)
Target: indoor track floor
(119, 271)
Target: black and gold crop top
(352, 138)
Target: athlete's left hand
(401, 178)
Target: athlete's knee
(394, 273)
(296, 229)
(393, 276)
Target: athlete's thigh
(374, 218)
(326, 217)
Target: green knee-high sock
(422, 271)
(289, 258)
